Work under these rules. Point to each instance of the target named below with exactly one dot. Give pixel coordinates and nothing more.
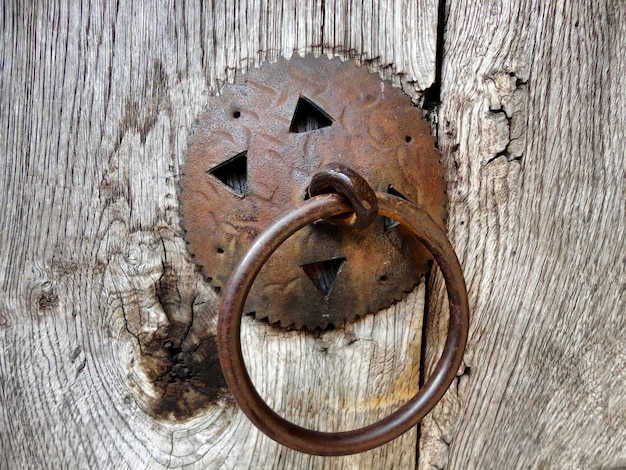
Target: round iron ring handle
(408, 415)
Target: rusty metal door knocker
(371, 184)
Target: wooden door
(108, 356)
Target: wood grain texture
(531, 126)
(107, 356)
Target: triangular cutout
(309, 117)
(234, 173)
(387, 222)
(323, 274)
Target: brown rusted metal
(251, 158)
(420, 225)
(338, 178)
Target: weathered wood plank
(531, 126)
(108, 356)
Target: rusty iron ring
(400, 421)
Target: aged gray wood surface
(107, 354)
(532, 127)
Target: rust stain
(188, 379)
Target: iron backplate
(251, 159)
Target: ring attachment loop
(336, 177)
